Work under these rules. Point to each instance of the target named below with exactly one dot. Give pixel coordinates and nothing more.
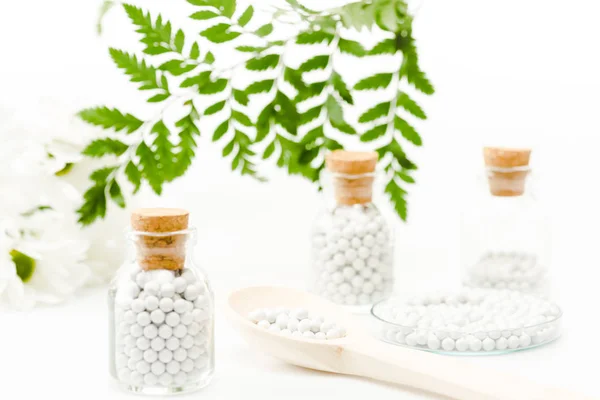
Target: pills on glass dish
(163, 320)
(286, 322)
(507, 270)
(473, 320)
(352, 256)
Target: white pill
(356, 243)
(358, 281)
(157, 344)
(165, 331)
(194, 328)
(304, 325)
(179, 284)
(411, 339)
(136, 330)
(136, 354)
(151, 303)
(151, 288)
(187, 365)
(433, 342)
(165, 379)
(129, 316)
(501, 343)
(257, 315)
(263, 324)
(358, 264)
(351, 255)
(343, 244)
(337, 277)
(142, 343)
(348, 273)
(376, 278)
(348, 232)
(525, 340)
(462, 344)
(196, 352)
(191, 292)
(186, 318)
(142, 367)
(143, 318)
(136, 378)
(165, 355)
(200, 315)
(172, 343)
(368, 288)
(282, 321)
(150, 379)
(360, 230)
(368, 240)
(150, 356)
(157, 317)
(124, 375)
(366, 273)
(271, 315)
(201, 362)
(308, 334)
(167, 289)
(475, 344)
(373, 227)
(173, 367)
(320, 335)
(180, 378)
(180, 306)
(172, 319)
(158, 368)
(180, 331)
(488, 344)
(166, 304)
(513, 342)
(137, 305)
(345, 289)
(180, 354)
(448, 344)
(364, 253)
(150, 331)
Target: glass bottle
(505, 240)
(161, 309)
(351, 242)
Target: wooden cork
(353, 174)
(507, 170)
(156, 249)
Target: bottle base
(168, 390)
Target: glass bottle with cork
(161, 309)
(505, 240)
(352, 244)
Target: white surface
(505, 71)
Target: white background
(507, 72)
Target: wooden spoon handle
(445, 375)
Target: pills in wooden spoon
(296, 322)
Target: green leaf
(215, 108)
(219, 33)
(317, 62)
(241, 118)
(250, 49)
(374, 133)
(264, 30)
(241, 97)
(411, 70)
(312, 90)
(155, 35)
(195, 51)
(408, 132)
(138, 71)
(410, 105)
(227, 7)
(179, 41)
(220, 131)
(294, 77)
(157, 98)
(397, 197)
(116, 195)
(376, 81)
(311, 136)
(269, 150)
(94, 204)
(228, 148)
(199, 79)
(405, 177)
(102, 174)
(187, 143)
(351, 47)
(314, 37)
(204, 15)
(210, 58)
(340, 87)
(263, 63)
(134, 175)
(310, 115)
(104, 9)
(260, 86)
(377, 111)
(105, 146)
(336, 116)
(110, 118)
(147, 163)
(212, 87)
(386, 17)
(246, 16)
(386, 46)
(286, 114)
(176, 67)
(163, 151)
(263, 122)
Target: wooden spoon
(359, 354)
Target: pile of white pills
(163, 328)
(352, 256)
(473, 320)
(506, 270)
(296, 322)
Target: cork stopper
(507, 170)
(353, 174)
(156, 249)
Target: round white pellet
(180, 306)
(282, 321)
(186, 318)
(202, 301)
(172, 343)
(488, 344)
(343, 244)
(304, 325)
(129, 317)
(525, 340)
(271, 315)
(180, 378)
(201, 362)
(348, 232)
(368, 240)
(348, 273)
(411, 339)
(376, 278)
(327, 326)
(166, 304)
(150, 356)
(165, 331)
(179, 284)
(137, 305)
(433, 342)
(462, 344)
(475, 344)
(180, 354)
(513, 342)
(142, 367)
(143, 318)
(136, 354)
(165, 355)
(151, 288)
(150, 331)
(274, 328)
(364, 253)
(180, 331)
(196, 352)
(351, 255)
(165, 379)
(191, 292)
(358, 264)
(320, 335)
(187, 365)
(368, 288)
(150, 379)
(501, 343)
(337, 277)
(257, 315)
(173, 367)
(366, 273)
(136, 330)
(356, 243)
(157, 344)
(172, 319)
(194, 328)
(124, 375)
(142, 343)
(200, 315)
(157, 317)
(151, 303)
(187, 342)
(158, 368)
(264, 324)
(167, 289)
(308, 334)
(136, 378)
(358, 281)
(448, 344)
(345, 289)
